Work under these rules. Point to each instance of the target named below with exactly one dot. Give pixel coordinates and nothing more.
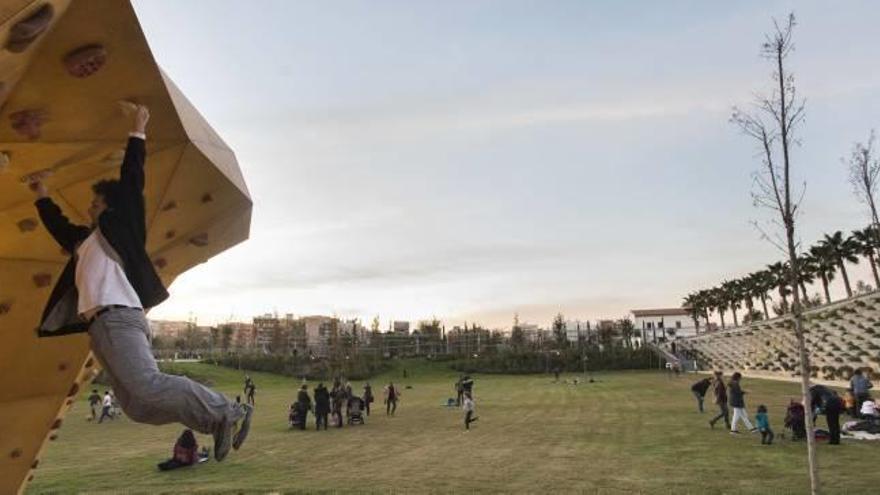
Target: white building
(664, 322)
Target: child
(764, 425)
(468, 407)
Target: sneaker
(734, 432)
(711, 425)
(242, 433)
(753, 430)
(223, 440)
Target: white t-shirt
(100, 280)
(869, 407)
(107, 401)
(468, 405)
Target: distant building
(400, 327)
(664, 322)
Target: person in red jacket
(186, 452)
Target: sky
(471, 160)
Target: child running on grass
(764, 425)
(469, 407)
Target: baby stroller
(295, 418)
(795, 420)
(355, 410)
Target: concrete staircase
(841, 337)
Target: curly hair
(108, 189)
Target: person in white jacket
(469, 407)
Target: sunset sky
(473, 159)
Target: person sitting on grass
(763, 421)
(469, 409)
(185, 453)
(869, 410)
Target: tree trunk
(720, 312)
(735, 320)
(845, 277)
(783, 298)
(764, 303)
(825, 288)
(874, 270)
(804, 290)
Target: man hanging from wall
(105, 289)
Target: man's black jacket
(124, 228)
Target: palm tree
(762, 283)
(808, 271)
(867, 239)
(826, 267)
(693, 304)
(719, 303)
(779, 272)
(842, 250)
(732, 293)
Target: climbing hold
(16, 453)
(27, 225)
(170, 234)
(74, 389)
(53, 437)
(62, 366)
(169, 206)
(160, 263)
(89, 363)
(31, 478)
(28, 123)
(26, 31)
(42, 280)
(4, 160)
(5, 307)
(200, 240)
(56, 424)
(35, 464)
(207, 198)
(85, 60)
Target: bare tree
(864, 170)
(772, 122)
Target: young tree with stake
(772, 123)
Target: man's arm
(132, 174)
(66, 234)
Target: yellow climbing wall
(64, 65)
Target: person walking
(304, 402)
(763, 422)
(107, 286)
(459, 391)
(322, 406)
(738, 403)
(720, 393)
(392, 395)
(368, 397)
(94, 402)
(251, 390)
(861, 387)
(106, 405)
(469, 409)
(699, 390)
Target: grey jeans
(120, 342)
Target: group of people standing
(330, 402)
(824, 400)
(107, 404)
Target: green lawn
(629, 432)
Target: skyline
(483, 159)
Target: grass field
(628, 432)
